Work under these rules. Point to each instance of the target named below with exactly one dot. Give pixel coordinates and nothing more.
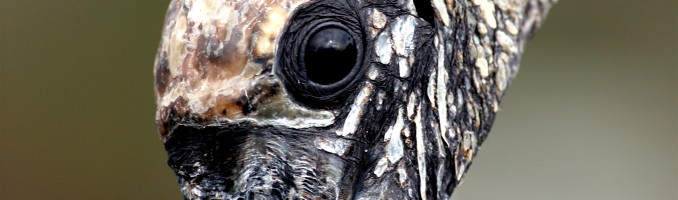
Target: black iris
(330, 55)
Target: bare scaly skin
(410, 125)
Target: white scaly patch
(469, 145)
(285, 113)
(394, 148)
(380, 99)
(384, 48)
(421, 152)
(487, 12)
(441, 93)
(298, 123)
(511, 28)
(481, 65)
(402, 176)
(354, 116)
(335, 146)
(411, 101)
(404, 68)
(176, 49)
(442, 11)
(381, 167)
(502, 76)
(373, 72)
(506, 42)
(431, 88)
(200, 11)
(378, 21)
(482, 29)
(197, 191)
(402, 32)
(273, 24)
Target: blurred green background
(592, 115)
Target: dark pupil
(330, 55)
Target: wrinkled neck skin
(238, 123)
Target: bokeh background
(592, 114)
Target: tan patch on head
(206, 57)
(270, 29)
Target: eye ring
(291, 66)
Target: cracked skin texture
(238, 121)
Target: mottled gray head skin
(242, 117)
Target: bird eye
(329, 55)
(322, 57)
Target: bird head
(327, 99)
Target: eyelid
(290, 63)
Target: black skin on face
(324, 54)
(225, 152)
(263, 156)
